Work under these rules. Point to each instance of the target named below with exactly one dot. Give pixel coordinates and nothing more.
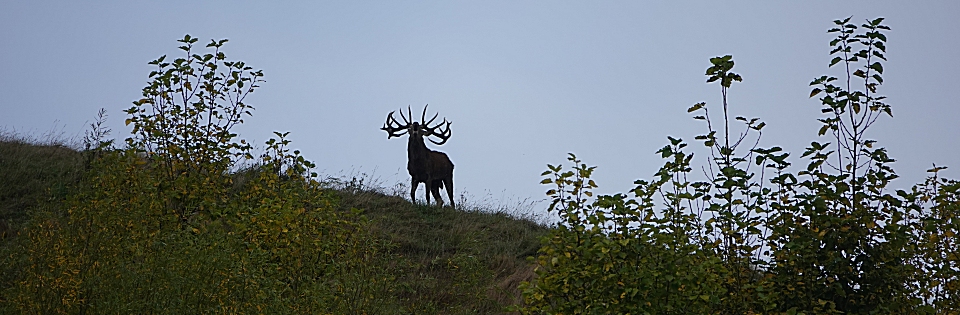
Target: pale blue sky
(524, 82)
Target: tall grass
(34, 171)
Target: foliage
(184, 219)
(114, 249)
(189, 108)
(181, 220)
(839, 238)
(430, 260)
(755, 237)
(183, 124)
(615, 255)
(936, 229)
(161, 226)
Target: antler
(424, 115)
(393, 127)
(405, 121)
(444, 134)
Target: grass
(468, 260)
(454, 257)
(33, 172)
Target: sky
(524, 82)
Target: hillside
(436, 260)
(188, 218)
(458, 258)
(31, 174)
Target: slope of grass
(33, 172)
(440, 260)
(452, 258)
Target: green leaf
(878, 78)
(695, 107)
(815, 91)
(936, 169)
(666, 152)
(835, 60)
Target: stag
(424, 165)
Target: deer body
(432, 168)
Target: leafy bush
(831, 238)
(167, 225)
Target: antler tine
(409, 112)
(392, 131)
(443, 135)
(405, 121)
(423, 116)
(387, 124)
(431, 119)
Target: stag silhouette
(424, 165)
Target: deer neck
(416, 149)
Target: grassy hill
(434, 260)
(458, 258)
(31, 174)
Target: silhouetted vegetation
(754, 237)
(183, 217)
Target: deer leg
(428, 187)
(437, 184)
(413, 190)
(449, 183)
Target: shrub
(173, 224)
(831, 238)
